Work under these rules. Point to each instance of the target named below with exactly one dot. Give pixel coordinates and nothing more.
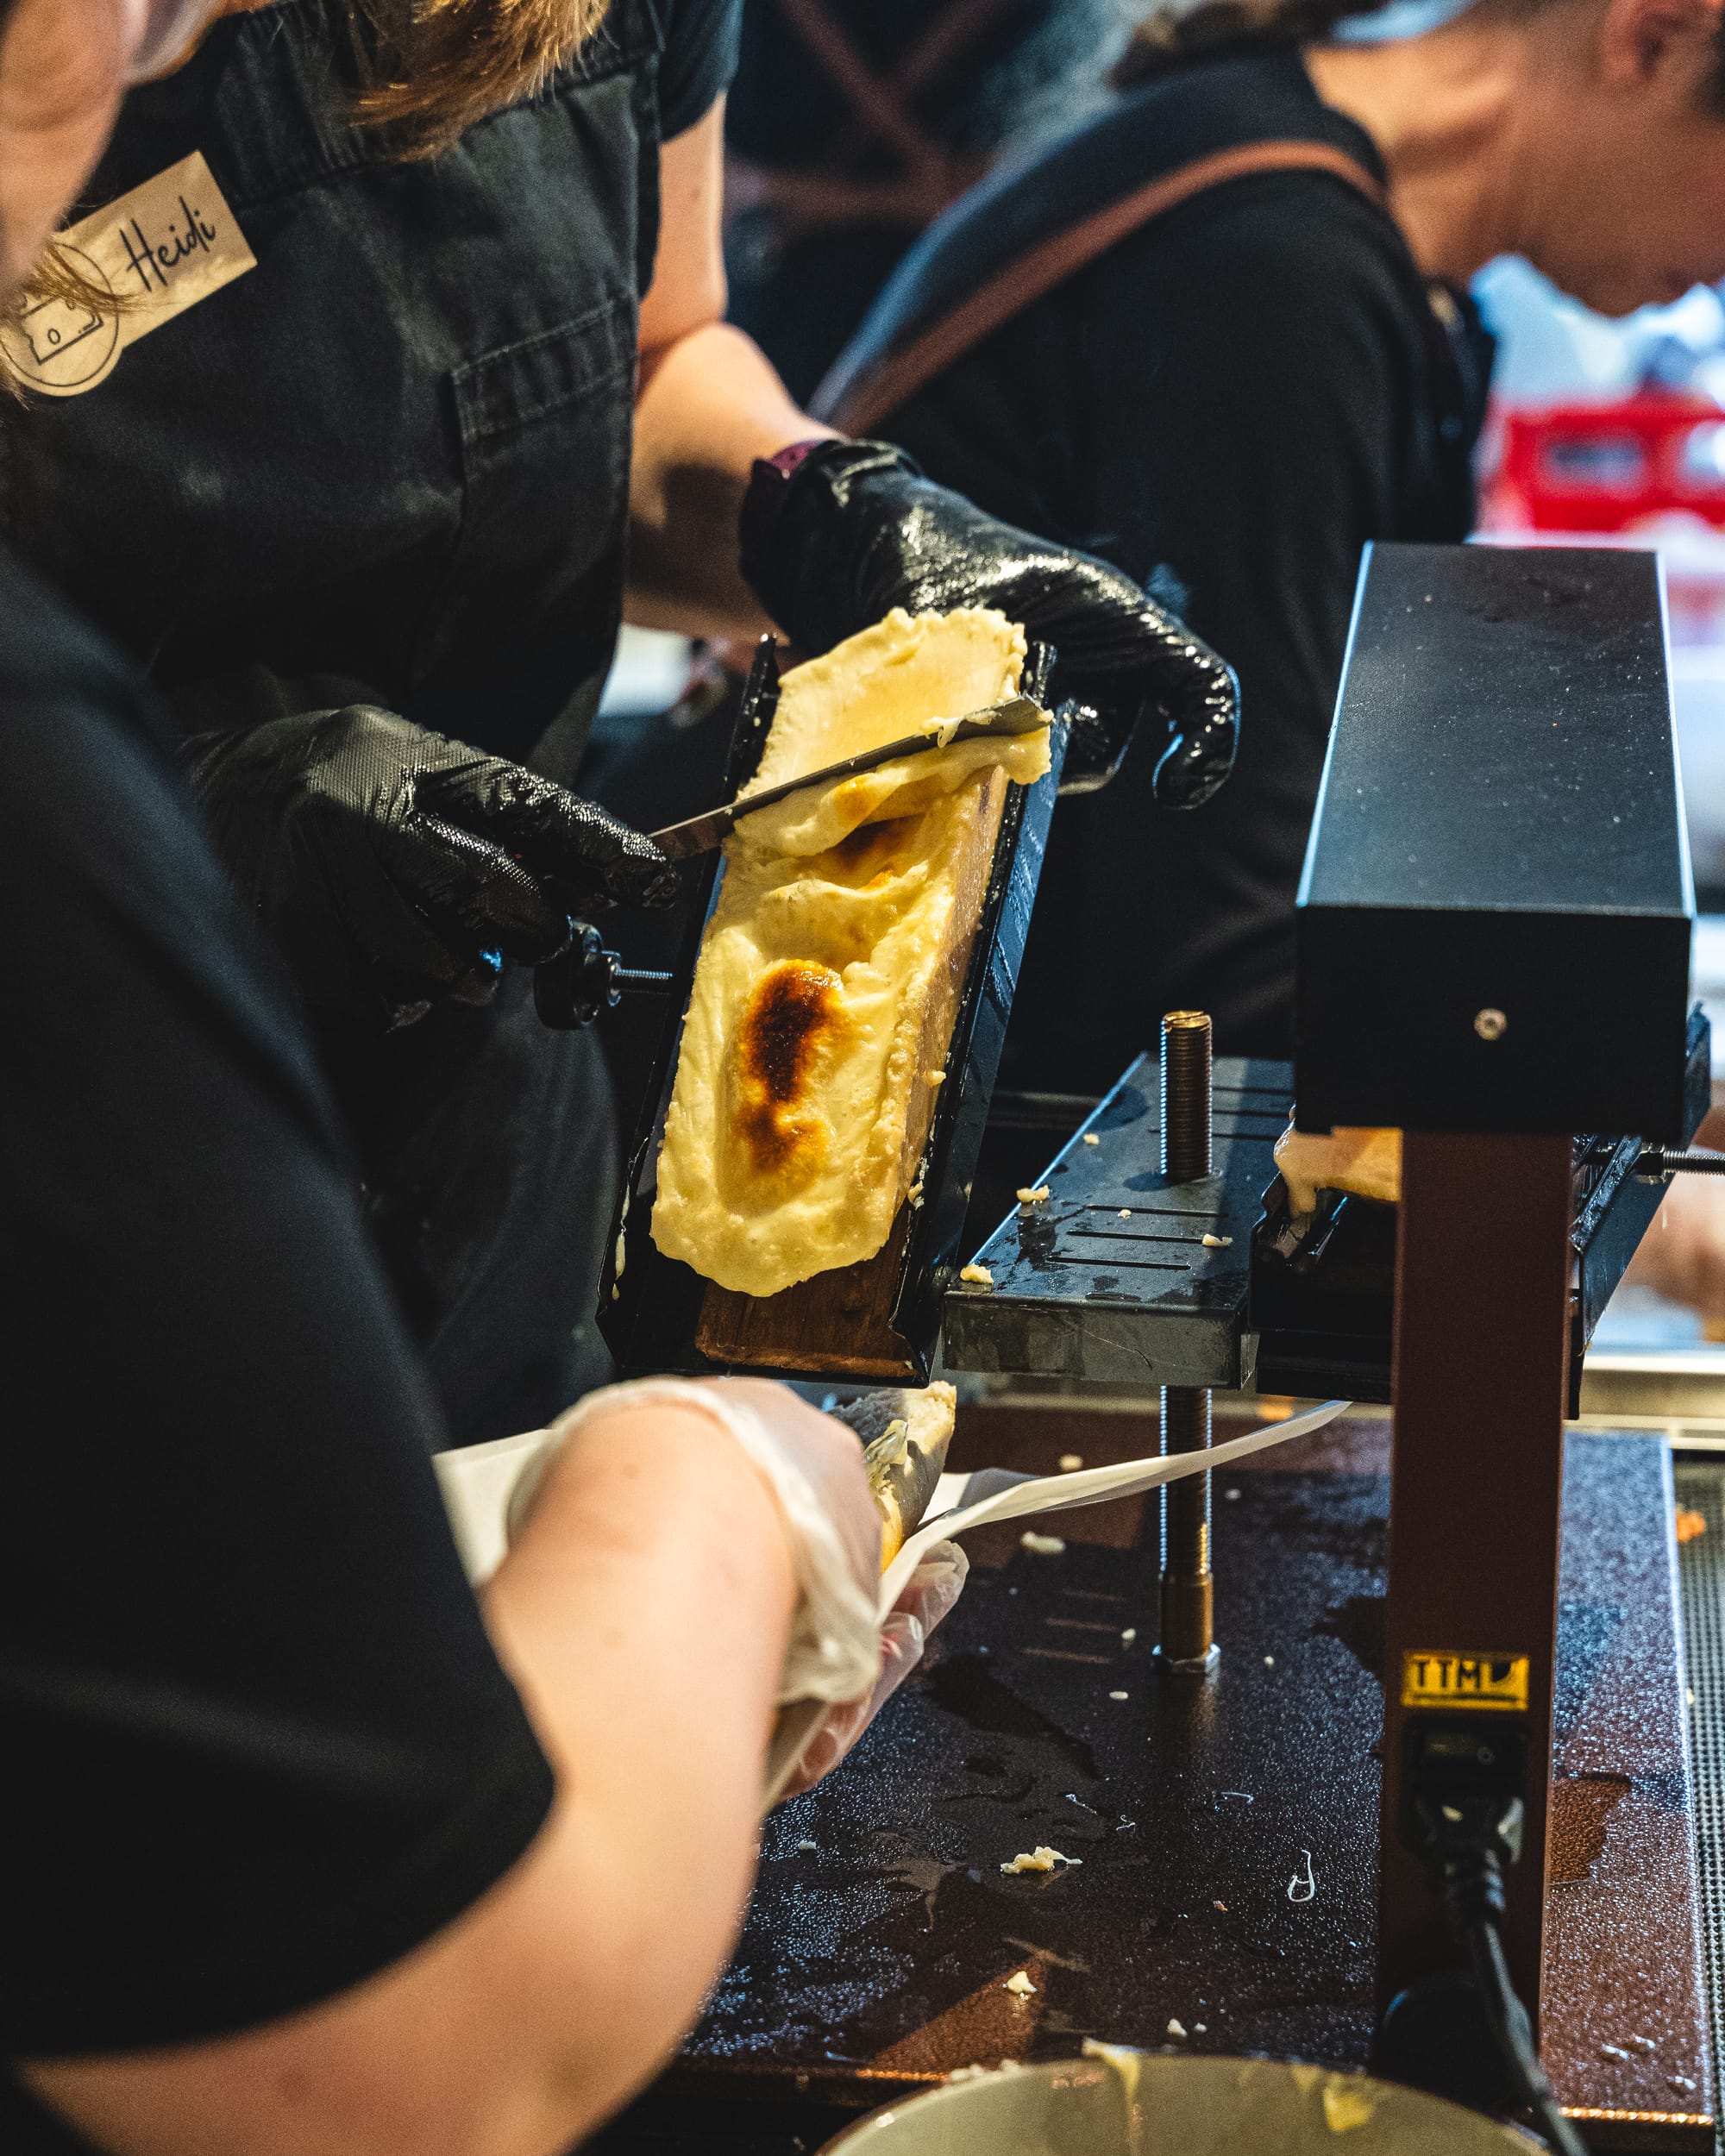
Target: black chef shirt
(1228, 404)
(254, 1744)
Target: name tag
(160, 249)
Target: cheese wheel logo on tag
(158, 250)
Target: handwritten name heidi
(153, 263)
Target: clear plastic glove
(813, 1468)
(929, 1594)
(835, 535)
(395, 867)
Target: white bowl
(1120, 2103)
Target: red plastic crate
(1610, 468)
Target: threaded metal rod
(1187, 1587)
(1689, 1160)
(1189, 1647)
(1185, 1095)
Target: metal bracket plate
(1119, 1277)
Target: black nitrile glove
(834, 538)
(394, 866)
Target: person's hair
(1172, 34)
(431, 68)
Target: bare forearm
(709, 404)
(644, 1616)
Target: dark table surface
(1225, 1836)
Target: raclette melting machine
(1492, 949)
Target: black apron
(391, 462)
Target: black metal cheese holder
(650, 1306)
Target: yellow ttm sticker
(1498, 1682)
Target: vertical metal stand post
(1188, 1642)
(1482, 1345)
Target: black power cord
(1472, 1883)
(1461, 1816)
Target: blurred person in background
(1236, 394)
(423, 343)
(1229, 397)
(853, 123)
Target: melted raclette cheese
(1365, 1163)
(808, 1059)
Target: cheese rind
(904, 1434)
(805, 1072)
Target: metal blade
(701, 834)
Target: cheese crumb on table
(1019, 1985)
(1041, 1859)
(1090, 1138)
(1037, 1197)
(979, 1275)
(1218, 1242)
(1043, 1545)
(1175, 2028)
(1119, 1695)
(1129, 1635)
(1070, 1462)
(1125, 1212)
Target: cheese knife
(702, 833)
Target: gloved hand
(842, 1664)
(813, 1468)
(835, 535)
(928, 1596)
(393, 866)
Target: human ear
(1642, 43)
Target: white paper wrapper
(962, 1501)
(476, 1483)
